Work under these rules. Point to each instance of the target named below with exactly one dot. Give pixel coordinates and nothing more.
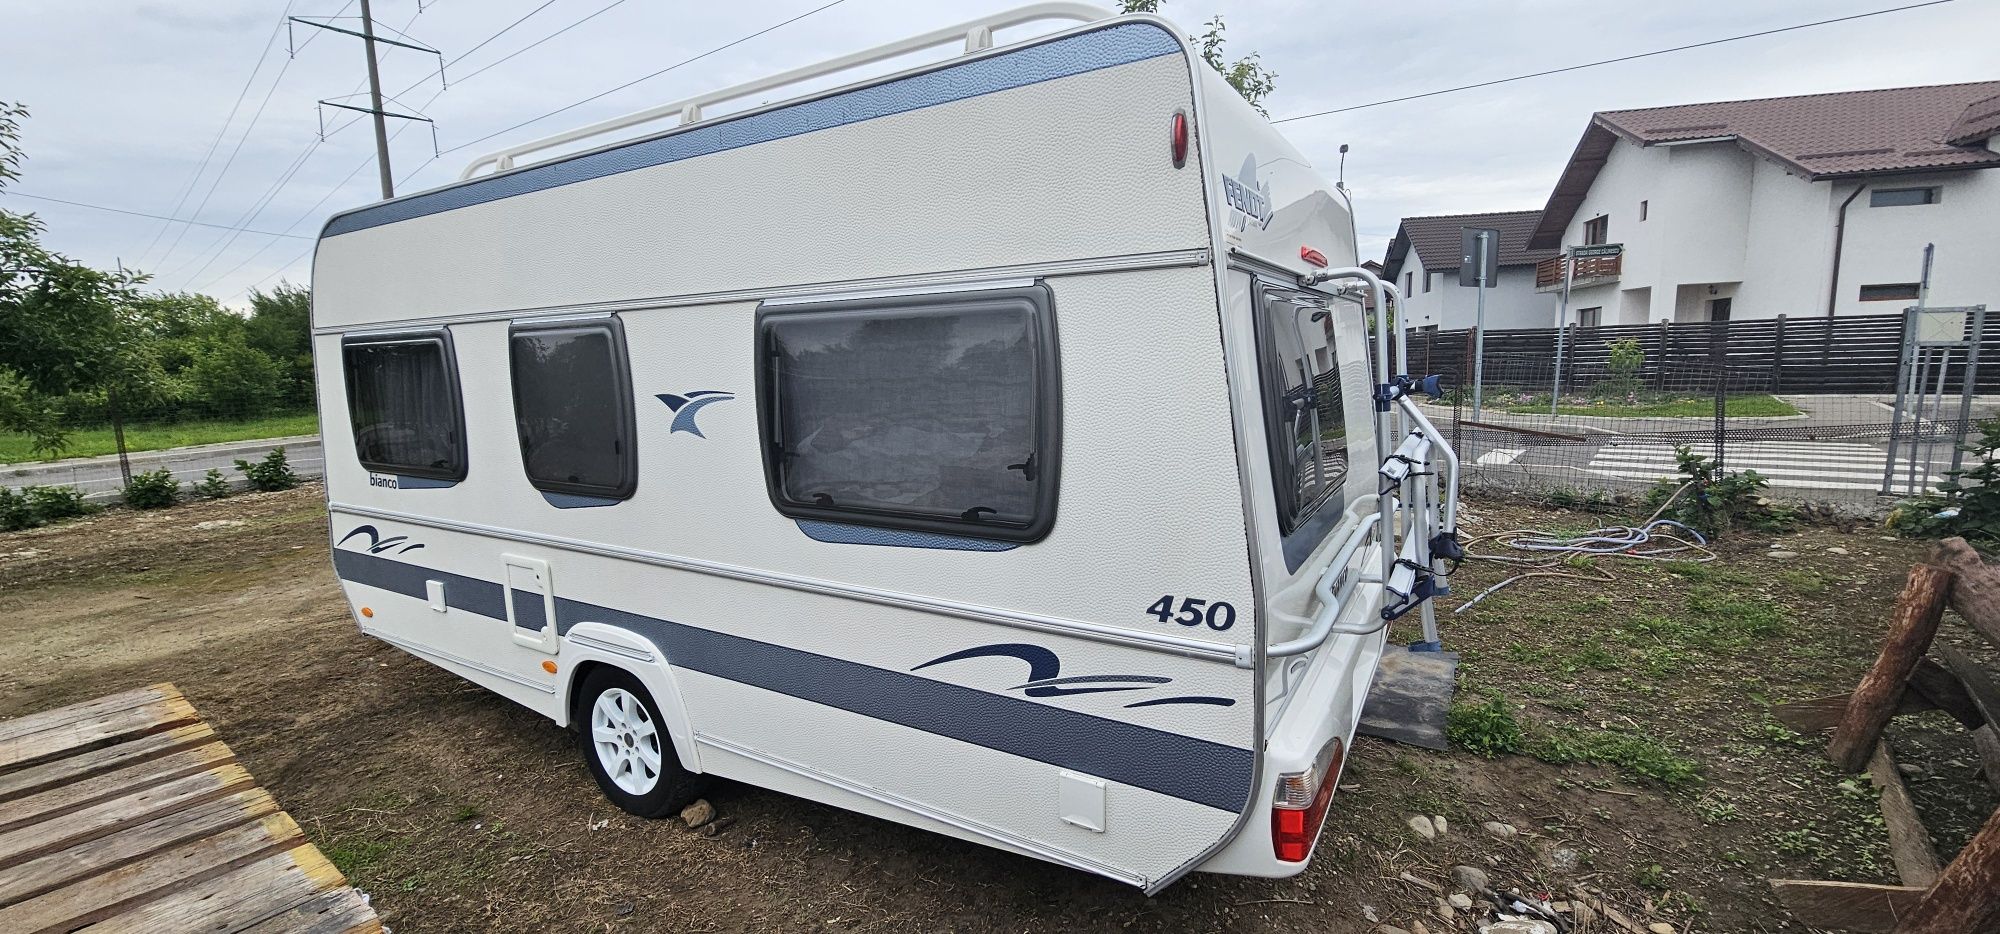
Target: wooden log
(1984, 695)
(1966, 898)
(1909, 843)
(1824, 713)
(1847, 906)
(1918, 610)
(1975, 594)
(1936, 684)
(1987, 739)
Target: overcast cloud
(127, 96)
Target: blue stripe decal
(1184, 767)
(460, 592)
(529, 612)
(841, 533)
(1062, 58)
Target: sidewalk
(99, 477)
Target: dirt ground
(1646, 763)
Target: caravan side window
(573, 407)
(934, 413)
(1305, 417)
(402, 399)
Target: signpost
(1478, 267)
(1570, 256)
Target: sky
(129, 100)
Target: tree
(281, 327)
(1247, 75)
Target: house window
(1590, 317)
(934, 413)
(1305, 418)
(1900, 197)
(573, 407)
(1427, 279)
(1890, 292)
(1642, 211)
(403, 403)
(1597, 229)
(1410, 283)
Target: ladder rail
(976, 34)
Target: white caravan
(968, 446)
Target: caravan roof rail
(977, 35)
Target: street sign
(1596, 249)
(1471, 269)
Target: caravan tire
(626, 744)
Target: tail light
(1177, 139)
(1300, 804)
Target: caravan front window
(1305, 419)
(402, 399)
(933, 413)
(573, 407)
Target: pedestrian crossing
(1827, 465)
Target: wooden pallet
(127, 813)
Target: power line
(689, 61)
(163, 217)
(1610, 61)
(221, 131)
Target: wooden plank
(61, 771)
(107, 894)
(55, 870)
(1824, 713)
(1966, 898)
(1909, 843)
(234, 901)
(138, 776)
(26, 843)
(85, 735)
(37, 722)
(1975, 593)
(1847, 906)
(341, 911)
(1919, 608)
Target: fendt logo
(1248, 196)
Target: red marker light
(1177, 137)
(1312, 256)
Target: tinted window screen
(404, 407)
(572, 410)
(1305, 414)
(926, 413)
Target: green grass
(156, 436)
(1750, 406)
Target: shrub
(152, 490)
(232, 379)
(33, 506)
(270, 474)
(1966, 504)
(212, 485)
(1711, 501)
(1626, 359)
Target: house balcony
(1596, 264)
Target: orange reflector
(365, 611)
(549, 667)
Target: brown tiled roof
(1435, 239)
(1819, 136)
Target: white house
(1423, 262)
(1797, 206)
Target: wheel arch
(589, 647)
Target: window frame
(627, 417)
(1048, 408)
(1309, 518)
(440, 338)
(1599, 227)
(1595, 312)
(1932, 195)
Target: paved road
(99, 478)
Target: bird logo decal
(685, 407)
(1044, 667)
(376, 544)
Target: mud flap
(1411, 693)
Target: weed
(352, 855)
(212, 486)
(1635, 754)
(1730, 613)
(1653, 877)
(465, 812)
(33, 506)
(1706, 498)
(1803, 581)
(1598, 658)
(1714, 810)
(1487, 728)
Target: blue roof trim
(840, 533)
(1119, 44)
